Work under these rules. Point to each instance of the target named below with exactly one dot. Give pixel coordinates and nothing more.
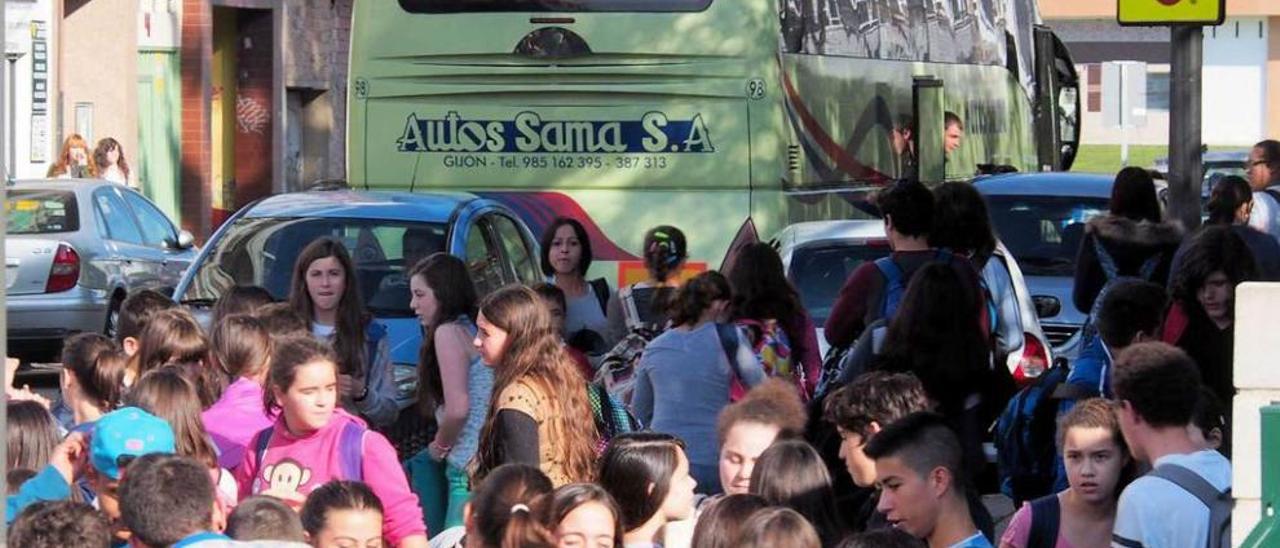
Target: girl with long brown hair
(540, 414)
(453, 384)
(325, 292)
(73, 162)
(108, 158)
(167, 393)
(175, 336)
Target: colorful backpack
(772, 348)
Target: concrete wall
(316, 51)
(99, 52)
(1257, 381)
(34, 135)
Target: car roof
(1067, 184)
(59, 184)
(431, 207)
(815, 231)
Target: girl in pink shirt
(1098, 465)
(241, 351)
(313, 442)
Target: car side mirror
(185, 240)
(1046, 306)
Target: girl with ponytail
(643, 304)
(503, 512)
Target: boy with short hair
(1157, 387)
(919, 471)
(60, 524)
(167, 501)
(265, 518)
(1131, 311)
(862, 408)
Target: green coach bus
(727, 118)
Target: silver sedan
(74, 250)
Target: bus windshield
(566, 6)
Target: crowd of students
(679, 411)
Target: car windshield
(1044, 232)
(41, 212)
(262, 251)
(820, 270)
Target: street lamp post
(12, 113)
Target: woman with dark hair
(721, 522)
(1201, 320)
(643, 305)
(241, 299)
(790, 473)
(583, 515)
(947, 351)
(324, 290)
(92, 378)
(1130, 240)
(454, 386)
(648, 475)
(566, 256)
(767, 307)
(1230, 203)
(685, 375)
(962, 225)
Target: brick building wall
(316, 47)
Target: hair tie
(519, 508)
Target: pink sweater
(304, 463)
(234, 419)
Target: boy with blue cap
(117, 439)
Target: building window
(1093, 75)
(1157, 91)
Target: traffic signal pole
(1185, 161)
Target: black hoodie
(1130, 244)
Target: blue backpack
(1026, 435)
(895, 286)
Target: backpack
(772, 348)
(617, 370)
(1046, 519)
(1218, 502)
(1111, 271)
(1026, 435)
(611, 417)
(350, 452)
(728, 334)
(600, 287)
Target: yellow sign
(1171, 12)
